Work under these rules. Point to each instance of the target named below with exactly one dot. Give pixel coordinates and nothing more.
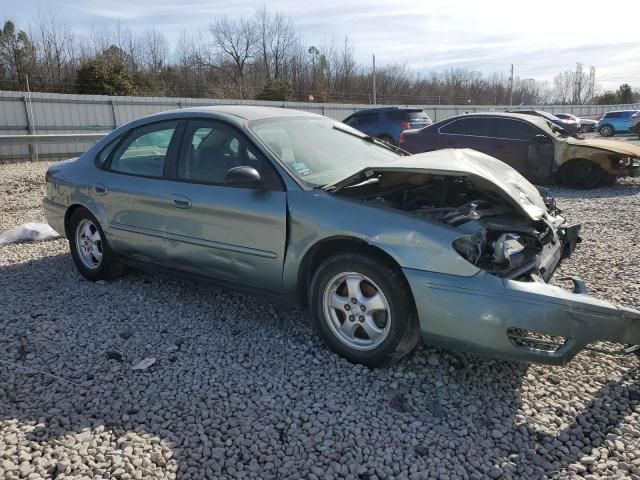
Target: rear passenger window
(368, 119)
(477, 127)
(397, 115)
(102, 157)
(614, 115)
(145, 150)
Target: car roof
(387, 109)
(539, 121)
(621, 111)
(249, 112)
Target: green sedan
(451, 246)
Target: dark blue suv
(387, 123)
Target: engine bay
(498, 238)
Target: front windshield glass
(319, 151)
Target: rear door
(230, 233)
(133, 192)
(468, 132)
(625, 121)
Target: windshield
(319, 151)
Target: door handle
(100, 189)
(180, 201)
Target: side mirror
(246, 177)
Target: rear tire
(363, 309)
(607, 131)
(582, 174)
(90, 250)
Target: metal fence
(49, 113)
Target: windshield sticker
(301, 169)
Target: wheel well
(67, 218)
(333, 246)
(564, 168)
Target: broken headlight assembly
(505, 254)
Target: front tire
(363, 310)
(607, 131)
(582, 174)
(90, 250)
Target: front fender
(315, 216)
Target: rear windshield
(407, 115)
(418, 115)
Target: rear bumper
(54, 213)
(487, 315)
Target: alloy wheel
(357, 311)
(89, 244)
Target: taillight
(404, 124)
(401, 138)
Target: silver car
(452, 246)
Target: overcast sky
(539, 37)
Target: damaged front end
(516, 237)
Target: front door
(513, 140)
(229, 233)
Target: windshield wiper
(375, 141)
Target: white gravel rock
(243, 388)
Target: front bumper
(487, 315)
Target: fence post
(29, 126)
(113, 114)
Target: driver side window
(211, 149)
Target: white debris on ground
(28, 232)
(243, 388)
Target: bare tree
(155, 50)
(57, 52)
(236, 41)
(563, 87)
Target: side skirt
(279, 297)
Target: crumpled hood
(613, 146)
(483, 170)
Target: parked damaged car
(540, 150)
(452, 246)
(571, 125)
(585, 125)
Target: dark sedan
(538, 149)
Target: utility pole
(577, 88)
(511, 86)
(374, 79)
(592, 82)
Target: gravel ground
(242, 387)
